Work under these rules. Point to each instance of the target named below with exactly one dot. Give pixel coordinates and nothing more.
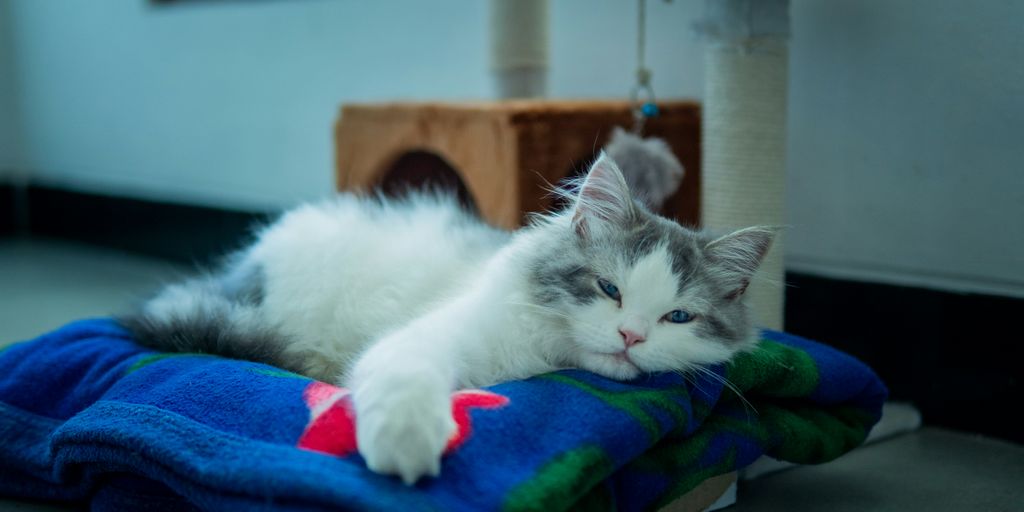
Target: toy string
(642, 95)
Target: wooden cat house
(501, 157)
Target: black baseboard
(175, 232)
(953, 355)
(956, 356)
(7, 202)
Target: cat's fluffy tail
(198, 317)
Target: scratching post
(745, 131)
(519, 47)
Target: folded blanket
(87, 415)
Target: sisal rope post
(744, 132)
(519, 47)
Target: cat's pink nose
(630, 337)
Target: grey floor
(44, 284)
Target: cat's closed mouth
(623, 357)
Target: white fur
(430, 301)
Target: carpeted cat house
(503, 157)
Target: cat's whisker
(545, 309)
(725, 382)
(689, 378)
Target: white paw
(404, 431)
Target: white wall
(232, 103)
(224, 103)
(906, 155)
(593, 48)
(9, 128)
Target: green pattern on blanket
(765, 402)
(153, 358)
(774, 369)
(547, 490)
(638, 403)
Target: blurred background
(139, 137)
(905, 118)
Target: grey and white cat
(403, 301)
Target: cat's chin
(616, 366)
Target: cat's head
(640, 293)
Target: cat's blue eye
(609, 289)
(679, 316)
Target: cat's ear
(603, 198)
(735, 257)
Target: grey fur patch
(652, 231)
(687, 260)
(210, 333)
(716, 327)
(215, 315)
(559, 271)
(553, 284)
(640, 239)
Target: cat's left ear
(603, 198)
(736, 256)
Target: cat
(404, 301)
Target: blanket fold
(88, 415)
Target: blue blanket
(86, 415)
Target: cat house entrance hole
(422, 170)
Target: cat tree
(502, 156)
(744, 164)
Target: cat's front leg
(402, 398)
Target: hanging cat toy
(641, 96)
(648, 164)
